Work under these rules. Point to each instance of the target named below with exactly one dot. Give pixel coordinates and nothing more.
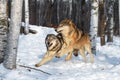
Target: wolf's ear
(59, 35)
(69, 21)
(46, 45)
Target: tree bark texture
(26, 30)
(13, 34)
(102, 22)
(116, 18)
(110, 22)
(119, 17)
(94, 24)
(52, 12)
(3, 28)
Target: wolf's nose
(56, 30)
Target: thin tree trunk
(110, 22)
(58, 11)
(94, 24)
(13, 34)
(119, 17)
(70, 9)
(32, 11)
(3, 28)
(102, 22)
(76, 13)
(26, 30)
(116, 18)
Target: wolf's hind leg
(88, 49)
(82, 52)
(69, 56)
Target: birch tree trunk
(26, 30)
(119, 17)
(13, 34)
(3, 28)
(110, 23)
(94, 24)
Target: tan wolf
(75, 39)
(54, 43)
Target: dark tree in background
(102, 22)
(119, 17)
(85, 15)
(32, 12)
(50, 13)
(110, 22)
(116, 18)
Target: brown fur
(74, 39)
(54, 43)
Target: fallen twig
(35, 69)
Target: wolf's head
(52, 42)
(65, 27)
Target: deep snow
(32, 48)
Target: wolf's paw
(57, 56)
(67, 59)
(75, 54)
(37, 65)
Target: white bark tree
(3, 28)
(26, 30)
(13, 34)
(94, 24)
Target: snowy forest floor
(32, 48)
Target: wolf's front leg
(69, 56)
(48, 56)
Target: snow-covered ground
(32, 48)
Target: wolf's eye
(60, 26)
